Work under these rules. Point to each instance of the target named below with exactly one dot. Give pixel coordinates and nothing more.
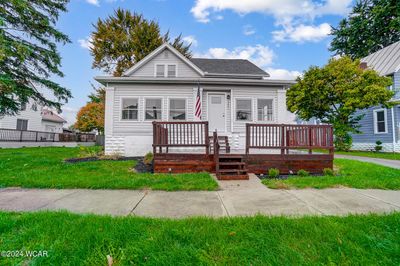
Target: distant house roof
(48, 115)
(228, 67)
(385, 61)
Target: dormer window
(160, 71)
(165, 71)
(171, 71)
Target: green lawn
(44, 168)
(382, 155)
(351, 174)
(72, 239)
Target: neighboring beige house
(164, 86)
(35, 118)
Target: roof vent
(166, 54)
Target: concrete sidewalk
(236, 198)
(384, 162)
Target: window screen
(153, 109)
(177, 109)
(130, 109)
(22, 124)
(264, 110)
(243, 109)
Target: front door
(216, 112)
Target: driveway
(384, 162)
(236, 198)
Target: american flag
(197, 113)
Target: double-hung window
(22, 124)
(243, 110)
(380, 121)
(153, 109)
(264, 110)
(177, 109)
(130, 109)
(165, 71)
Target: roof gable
(146, 60)
(385, 61)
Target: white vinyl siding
(144, 127)
(183, 70)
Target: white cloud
(69, 114)
(293, 17)
(93, 2)
(278, 73)
(248, 30)
(86, 43)
(258, 54)
(282, 10)
(190, 40)
(302, 33)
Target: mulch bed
(283, 177)
(141, 167)
(94, 158)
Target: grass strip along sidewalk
(71, 239)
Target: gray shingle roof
(48, 115)
(385, 61)
(228, 66)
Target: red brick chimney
(363, 65)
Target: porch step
(234, 177)
(237, 171)
(223, 163)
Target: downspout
(393, 130)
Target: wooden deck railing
(286, 137)
(180, 134)
(39, 136)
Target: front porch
(189, 147)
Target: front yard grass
(44, 168)
(72, 239)
(381, 155)
(352, 173)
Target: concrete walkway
(384, 162)
(235, 198)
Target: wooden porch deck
(187, 147)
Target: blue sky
(284, 37)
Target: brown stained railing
(180, 134)
(285, 137)
(216, 152)
(39, 136)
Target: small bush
(87, 152)
(328, 172)
(378, 146)
(148, 158)
(302, 172)
(273, 172)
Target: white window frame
(176, 70)
(122, 108)
(376, 121)
(166, 70)
(145, 107)
(272, 107)
(23, 120)
(251, 109)
(186, 107)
